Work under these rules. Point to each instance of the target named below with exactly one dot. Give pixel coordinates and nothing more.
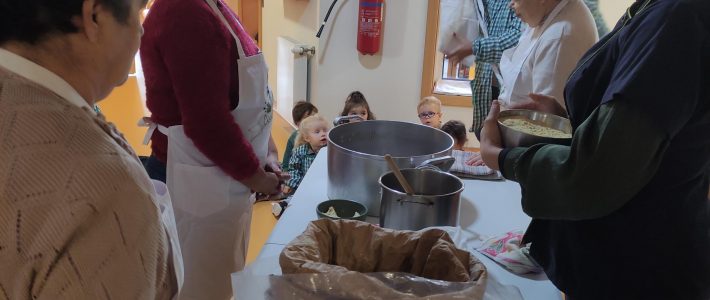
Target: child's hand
(286, 189)
(475, 160)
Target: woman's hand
(264, 182)
(272, 162)
(491, 144)
(541, 103)
(460, 52)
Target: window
(447, 81)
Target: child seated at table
(429, 111)
(300, 111)
(463, 164)
(457, 130)
(312, 136)
(356, 105)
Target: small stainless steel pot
(436, 199)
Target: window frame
(430, 67)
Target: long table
(488, 208)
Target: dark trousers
(155, 168)
(495, 93)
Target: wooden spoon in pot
(397, 173)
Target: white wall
(294, 19)
(389, 80)
(612, 10)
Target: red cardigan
(189, 62)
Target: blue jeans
(155, 168)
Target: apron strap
(152, 126)
(219, 14)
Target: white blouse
(546, 55)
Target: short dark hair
(455, 129)
(356, 99)
(301, 110)
(29, 21)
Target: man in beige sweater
(78, 217)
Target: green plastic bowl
(345, 209)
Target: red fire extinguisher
(369, 26)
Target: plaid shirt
(503, 33)
(301, 159)
(593, 6)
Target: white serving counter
(488, 208)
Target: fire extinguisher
(369, 26)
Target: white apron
(212, 210)
(162, 202)
(167, 216)
(513, 60)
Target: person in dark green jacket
(623, 212)
(300, 111)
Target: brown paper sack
(401, 264)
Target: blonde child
(356, 105)
(312, 136)
(300, 111)
(429, 111)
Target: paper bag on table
(357, 260)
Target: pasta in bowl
(524, 128)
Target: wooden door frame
(239, 8)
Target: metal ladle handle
(346, 119)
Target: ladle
(397, 173)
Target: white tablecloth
(488, 208)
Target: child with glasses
(429, 111)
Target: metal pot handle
(402, 201)
(443, 163)
(346, 119)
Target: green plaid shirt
(503, 33)
(593, 6)
(301, 159)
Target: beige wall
(295, 19)
(390, 79)
(612, 10)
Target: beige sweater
(77, 219)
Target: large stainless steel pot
(356, 156)
(435, 202)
